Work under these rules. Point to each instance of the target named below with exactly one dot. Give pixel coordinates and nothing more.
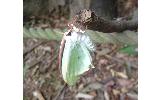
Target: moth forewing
(66, 58)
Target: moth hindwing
(76, 58)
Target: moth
(75, 54)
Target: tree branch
(87, 19)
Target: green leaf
(130, 50)
(126, 37)
(26, 33)
(42, 33)
(50, 34)
(33, 32)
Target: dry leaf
(124, 90)
(119, 74)
(122, 75)
(116, 92)
(133, 96)
(93, 93)
(38, 95)
(112, 72)
(85, 96)
(92, 86)
(106, 95)
(124, 83)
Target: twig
(88, 19)
(38, 95)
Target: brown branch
(87, 19)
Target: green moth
(76, 55)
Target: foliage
(127, 37)
(130, 50)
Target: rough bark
(87, 19)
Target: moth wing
(76, 60)
(84, 59)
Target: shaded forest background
(107, 9)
